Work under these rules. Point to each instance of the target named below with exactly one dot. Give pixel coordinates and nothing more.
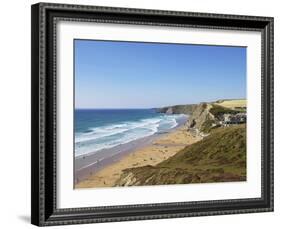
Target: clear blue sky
(145, 75)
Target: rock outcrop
(199, 114)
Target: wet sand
(89, 164)
(149, 152)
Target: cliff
(200, 116)
(219, 157)
(177, 109)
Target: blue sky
(145, 75)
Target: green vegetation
(232, 103)
(218, 111)
(178, 109)
(207, 126)
(220, 157)
(204, 105)
(182, 109)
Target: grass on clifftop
(232, 103)
(220, 157)
(218, 111)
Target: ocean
(98, 129)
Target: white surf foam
(109, 136)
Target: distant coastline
(93, 161)
(98, 129)
(115, 166)
(149, 150)
(191, 139)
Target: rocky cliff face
(199, 114)
(201, 117)
(219, 157)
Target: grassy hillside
(232, 103)
(177, 109)
(218, 110)
(220, 157)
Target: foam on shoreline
(91, 163)
(151, 151)
(111, 135)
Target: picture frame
(44, 195)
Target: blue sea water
(97, 129)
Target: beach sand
(161, 148)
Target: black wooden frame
(43, 201)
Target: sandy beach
(156, 150)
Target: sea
(98, 129)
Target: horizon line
(112, 108)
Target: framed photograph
(147, 114)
